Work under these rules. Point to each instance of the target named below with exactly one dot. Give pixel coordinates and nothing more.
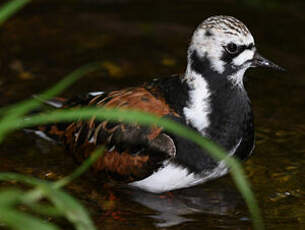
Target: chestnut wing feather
(133, 151)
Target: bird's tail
(56, 131)
(51, 132)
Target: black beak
(259, 60)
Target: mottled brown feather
(152, 146)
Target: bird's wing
(132, 151)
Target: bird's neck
(201, 64)
(216, 103)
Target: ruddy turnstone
(209, 97)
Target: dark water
(141, 40)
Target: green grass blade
(45, 210)
(21, 221)
(9, 197)
(60, 183)
(21, 178)
(65, 205)
(71, 208)
(148, 119)
(12, 112)
(26, 106)
(30, 197)
(11, 7)
(80, 170)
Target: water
(141, 40)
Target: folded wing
(133, 152)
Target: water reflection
(180, 206)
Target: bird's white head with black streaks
(223, 45)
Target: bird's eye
(232, 48)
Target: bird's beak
(259, 60)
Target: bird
(209, 97)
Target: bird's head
(223, 45)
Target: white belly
(172, 176)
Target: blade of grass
(21, 178)
(26, 106)
(21, 221)
(45, 210)
(64, 204)
(60, 183)
(11, 7)
(80, 170)
(22, 108)
(30, 197)
(148, 119)
(9, 197)
(71, 208)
